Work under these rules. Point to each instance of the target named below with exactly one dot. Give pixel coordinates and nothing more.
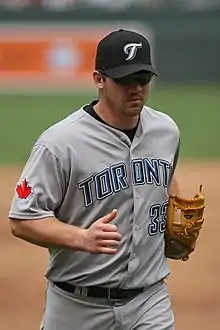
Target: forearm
(174, 187)
(48, 233)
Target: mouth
(135, 100)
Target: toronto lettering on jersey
(114, 178)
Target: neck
(119, 121)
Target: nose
(135, 88)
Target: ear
(98, 79)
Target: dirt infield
(194, 285)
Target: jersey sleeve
(40, 189)
(175, 160)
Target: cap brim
(125, 70)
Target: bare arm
(101, 237)
(174, 186)
(48, 233)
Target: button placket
(125, 140)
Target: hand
(102, 236)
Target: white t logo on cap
(131, 50)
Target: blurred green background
(195, 108)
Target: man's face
(127, 96)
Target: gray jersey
(79, 170)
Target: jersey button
(137, 195)
(133, 256)
(136, 227)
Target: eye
(122, 81)
(138, 78)
(144, 80)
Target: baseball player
(94, 192)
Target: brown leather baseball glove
(184, 222)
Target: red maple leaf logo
(23, 190)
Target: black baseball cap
(122, 53)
